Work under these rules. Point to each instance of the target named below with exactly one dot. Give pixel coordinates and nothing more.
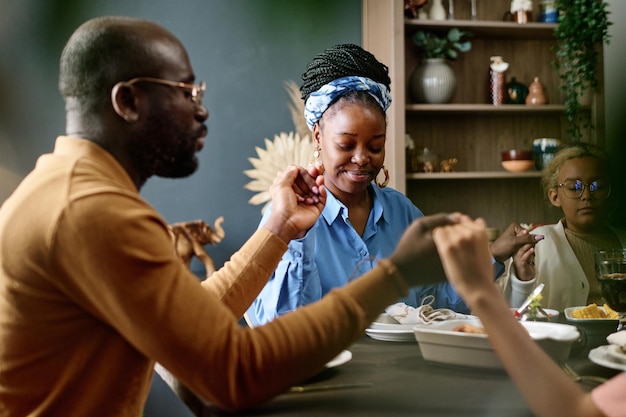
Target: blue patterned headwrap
(320, 100)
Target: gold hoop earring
(317, 153)
(385, 181)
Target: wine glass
(611, 274)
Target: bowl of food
(594, 322)
(464, 342)
(518, 160)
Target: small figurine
(412, 9)
(516, 92)
(427, 160)
(189, 239)
(428, 167)
(497, 70)
(447, 165)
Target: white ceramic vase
(433, 82)
(437, 11)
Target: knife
(311, 388)
(529, 299)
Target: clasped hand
(298, 198)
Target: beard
(165, 150)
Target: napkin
(423, 314)
(618, 338)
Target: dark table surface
(397, 381)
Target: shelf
(484, 108)
(472, 175)
(502, 30)
(470, 127)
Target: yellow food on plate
(592, 311)
(610, 313)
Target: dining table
(392, 378)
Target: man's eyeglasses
(196, 91)
(576, 188)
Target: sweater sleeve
(241, 279)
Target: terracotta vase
(536, 94)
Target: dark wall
(244, 49)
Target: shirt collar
(334, 208)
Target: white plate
(616, 354)
(392, 335)
(384, 328)
(387, 326)
(601, 357)
(343, 357)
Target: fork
(581, 378)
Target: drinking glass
(611, 274)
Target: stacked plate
(391, 332)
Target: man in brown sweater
(92, 292)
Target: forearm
(543, 384)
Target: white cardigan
(566, 284)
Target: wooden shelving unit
(470, 128)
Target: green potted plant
(434, 46)
(582, 27)
(434, 81)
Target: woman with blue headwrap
(346, 93)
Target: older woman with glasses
(577, 181)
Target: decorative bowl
(518, 165)
(517, 155)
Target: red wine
(613, 287)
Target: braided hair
(341, 61)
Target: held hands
(511, 240)
(464, 251)
(416, 256)
(298, 199)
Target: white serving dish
(438, 343)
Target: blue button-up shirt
(332, 253)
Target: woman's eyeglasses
(576, 188)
